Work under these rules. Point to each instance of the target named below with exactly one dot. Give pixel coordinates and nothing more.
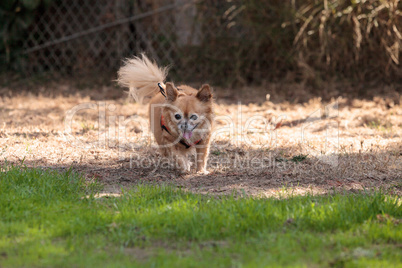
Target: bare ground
(264, 147)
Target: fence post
(185, 22)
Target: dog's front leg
(202, 157)
(182, 163)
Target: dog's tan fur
(142, 77)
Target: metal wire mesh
(78, 36)
(221, 42)
(95, 35)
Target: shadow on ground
(290, 153)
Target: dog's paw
(203, 172)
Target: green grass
(47, 221)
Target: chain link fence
(95, 35)
(222, 42)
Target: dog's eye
(177, 116)
(193, 117)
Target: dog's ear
(171, 92)
(204, 94)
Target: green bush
(15, 18)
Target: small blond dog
(180, 117)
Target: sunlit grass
(54, 219)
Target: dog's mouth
(187, 134)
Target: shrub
(261, 40)
(15, 18)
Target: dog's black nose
(184, 126)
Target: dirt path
(261, 149)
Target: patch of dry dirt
(260, 148)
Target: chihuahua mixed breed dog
(180, 117)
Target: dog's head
(188, 113)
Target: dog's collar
(182, 141)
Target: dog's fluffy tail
(141, 76)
